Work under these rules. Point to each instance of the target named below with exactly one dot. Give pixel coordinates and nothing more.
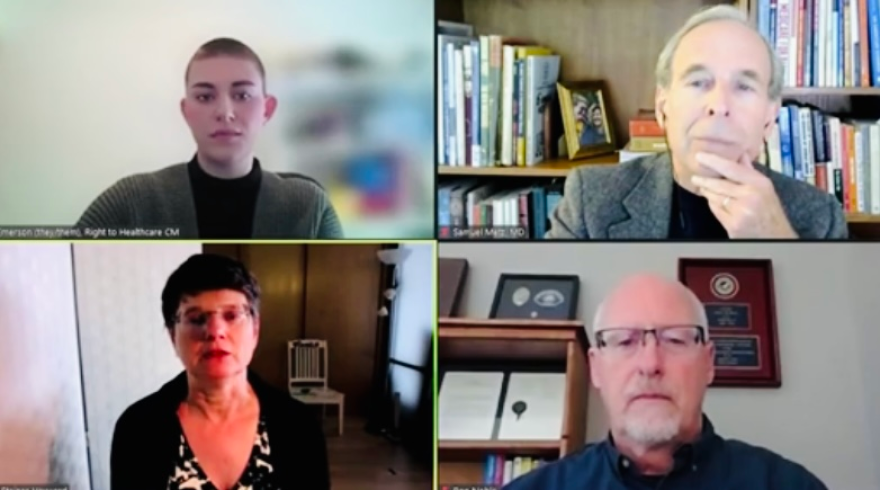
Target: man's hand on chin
(743, 199)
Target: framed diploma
(740, 308)
(536, 297)
(468, 405)
(501, 405)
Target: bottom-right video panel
(566, 366)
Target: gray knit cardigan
(287, 207)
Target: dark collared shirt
(710, 463)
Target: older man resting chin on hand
(651, 364)
(719, 89)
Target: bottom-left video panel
(188, 365)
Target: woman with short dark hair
(216, 426)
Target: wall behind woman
(126, 351)
(42, 435)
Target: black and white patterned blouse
(188, 475)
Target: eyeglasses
(674, 339)
(198, 319)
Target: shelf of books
(502, 157)
(512, 396)
(827, 131)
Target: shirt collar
(689, 456)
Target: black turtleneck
(692, 218)
(225, 207)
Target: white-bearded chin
(652, 429)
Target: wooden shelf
(503, 328)
(520, 340)
(517, 344)
(554, 168)
(495, 446)
(857, 91)
(863, 218)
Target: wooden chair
(307, 376)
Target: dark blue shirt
(711, 462)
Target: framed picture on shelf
(536, 297)
(589, 128)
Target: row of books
(471, 209)
(501, 469)
(824, 43)
(838, 155)
(495, 98)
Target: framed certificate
(741, 310)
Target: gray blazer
(633, 201)
(286, 208)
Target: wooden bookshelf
(553, 168)
(595, 41)
(864, 227)
(862, 218)
(516, 343)
(500, 446)
(831, 91)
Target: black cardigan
(147, 438)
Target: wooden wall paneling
(451, 10)
(280, 269)
(614, 40)
(342, 290)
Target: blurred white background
(90, 91)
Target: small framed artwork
(589, 128)
(536, 297)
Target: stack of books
(646, 136)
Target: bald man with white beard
(651, 362)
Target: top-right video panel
(753, 119)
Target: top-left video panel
(216, 120)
